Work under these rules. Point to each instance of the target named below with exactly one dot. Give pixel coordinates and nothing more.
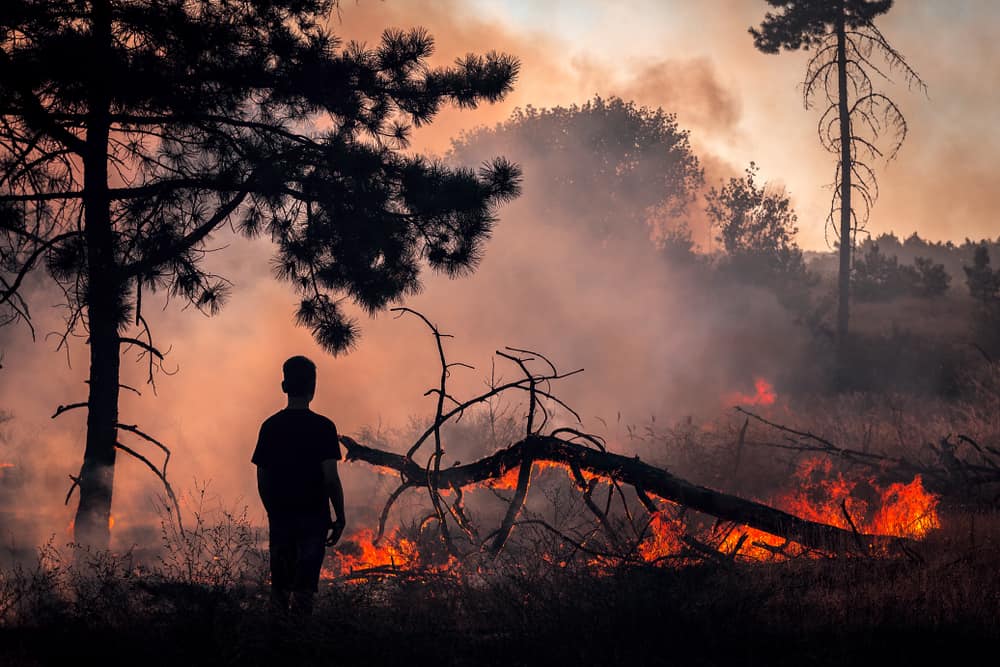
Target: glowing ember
(764, 395)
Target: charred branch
(631, 471)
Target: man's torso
(290, 448)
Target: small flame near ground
(394, 552)
(763, 394)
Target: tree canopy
(756, 226)
(249, 114)
(805, 24)
(603, 167)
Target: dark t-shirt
(290, 447)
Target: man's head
(299, 377)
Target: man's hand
(336, 530)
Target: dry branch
(632, 471)
(950, 474)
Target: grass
(202, 598)
(104, 608)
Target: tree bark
(103, 306)
(846, 242)
(632, 471)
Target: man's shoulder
(325, 421)
(273, 419)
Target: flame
(111, 521)
(817, 493)
(898, 510)
(764, 394)
(393, 552)
(665, 537)
(508, 481)
(6, 465)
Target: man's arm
(265, 488)
(335, 491)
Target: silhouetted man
(296, 457)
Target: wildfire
(508, 481)
(664, 539)
(764, 394)
(6, 465)
(393, 553)
(817, 493)
(899, 510)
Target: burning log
(632, 471)
(583, 454)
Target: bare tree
(856, 116)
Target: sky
(648, 347)
(698, 60)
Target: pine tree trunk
(846, 242)
(97, 474)
(103, 306)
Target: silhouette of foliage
(132, 131)
(931, 279)
(878, 276)
(604, 167)
(984, 286)
(756, 227)
(982, 280)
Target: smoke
(652, 339)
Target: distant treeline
(953, 258)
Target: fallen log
(643, 476)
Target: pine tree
(133, 130)
(844, 40)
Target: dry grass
(203, 600)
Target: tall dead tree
(132, 131)
(856, 116)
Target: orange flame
(818, 494)
(665, 538)
(899, 510)
(764, 395)
(393, 552)
(508, 481)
